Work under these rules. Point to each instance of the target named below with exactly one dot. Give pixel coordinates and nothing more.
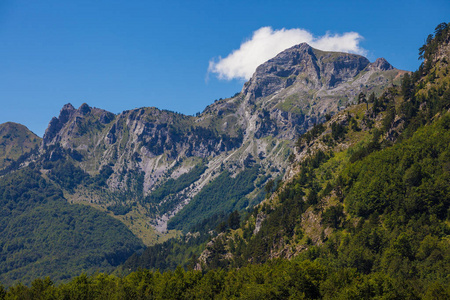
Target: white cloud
(267, 43)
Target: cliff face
(73, 123)
(145, 148)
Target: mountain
(295, 89)
(362, 211)
(16, 140)
(147, 150)
(163, 174)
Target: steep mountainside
(15, 141)
(368, 191)
(294, 90)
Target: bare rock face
(280, 71)
(286, 95)
(56, 124)
(73, 123)
(336, 68)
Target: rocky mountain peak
(73, 117)
(314, 69)
(381, 64)
(56, 123)
(66, 111)
(278, 72)
(285, 62)
(84, 109)
(301, 84)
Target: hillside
(367, 193)
(42, 235)
(15, 141)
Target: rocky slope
(295, 89)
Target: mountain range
(145, 149)
(315, 159)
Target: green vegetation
(173, 186)
(42, 235)
(310, 135)
(389, 214)
(177, 251)
(406, 179)
(377, 215)
(277, 279)
(16, 141)
(66, 174)
(170, 254)
(185, 250)
(283, 220)
(223, 195)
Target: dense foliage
(408, 179)
(223, 195)
(183, 251)
(43, 235)
(390, 223)
(277, 279)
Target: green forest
(37, 225)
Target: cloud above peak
(266, 43)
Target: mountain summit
(311, 69)
(317, 69)
(297, 88)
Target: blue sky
(120, 55)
